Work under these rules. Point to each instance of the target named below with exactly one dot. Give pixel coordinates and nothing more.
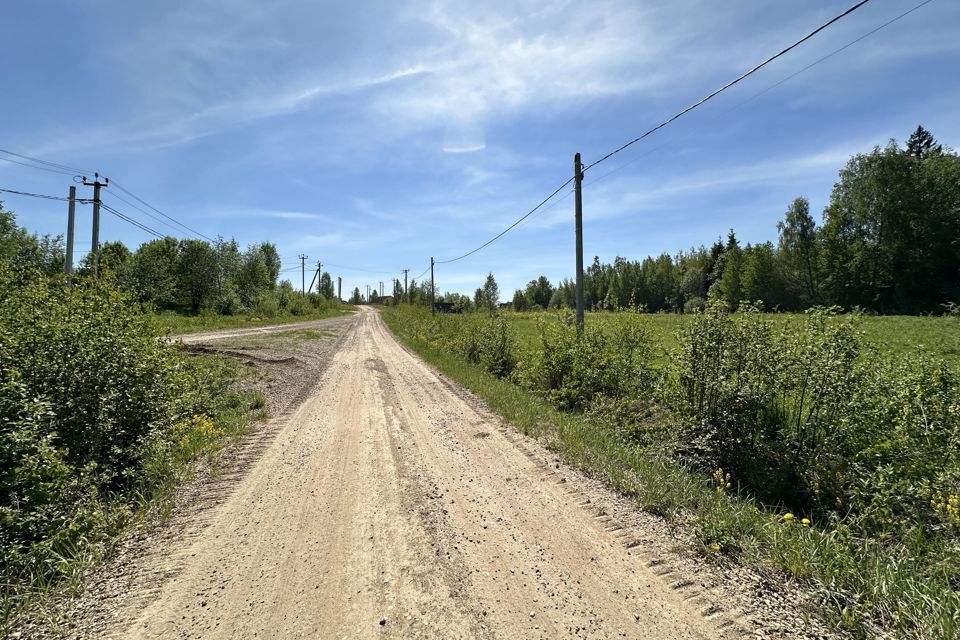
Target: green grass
(898, 335)
(865, 586)
(179, 323)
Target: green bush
(89, 397)
(613, 361)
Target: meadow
(822, 448)
(893, 335)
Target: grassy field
(896, 335)
(179, 324)
(880, 397)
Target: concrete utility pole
(71, 216)
(95, 245)
(578, 198)
(315, 278)
(381, 288)
(339, 288)
(405, 297)
(433, 304)
(303, 274)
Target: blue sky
(372, 135)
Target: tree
(799, 252)
(491, 293)
(23, 250)
(154, 272)
(538, 293)
(356, 298)
(727, 271)
(196, 272)
(890, 231)
(325, 286)
(519, 301)
(921, 144)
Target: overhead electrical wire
(663, 124)
(733, 82)
(772, 86)
(45, 197)
(33, 166)
(168, 217)
(57, 165)
(508, 229)
(132, 221)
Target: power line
(57, 165)
(44, 196)
(132, 221)
(421, 275)
(145, 212)
(507, 230)
(772, 86)
(33, 166)
(728, 85)
(168, 217)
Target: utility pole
(433, 304)
(303, 274)
(319, 273)
(71, 215)
(95, 245)
(339, 288)
(381, 288)
(368, 294)
(405, 272)
(315, 278)
(578, 198)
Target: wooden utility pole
(303, 274)
(71, 216)
(578, 199)
(95, 245)
(433, 290)
(405, 296)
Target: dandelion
(788, 516)
(805, 522)
(715, 547)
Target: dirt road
(391, 504)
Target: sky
(373, 135)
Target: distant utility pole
(433, 303)
(95, 245)
(71, 216)
(303, 274)
(368, 293)
(381, 288)
(339, 288)
(578, 199)
(316, 278)
(405, 272)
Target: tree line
(889, 242)
(171, 274)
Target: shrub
(88, 392)
(571, 371)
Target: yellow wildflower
(715, 547)
(805, 522)
(788, 516)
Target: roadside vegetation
(789, 443)
(100, 420)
